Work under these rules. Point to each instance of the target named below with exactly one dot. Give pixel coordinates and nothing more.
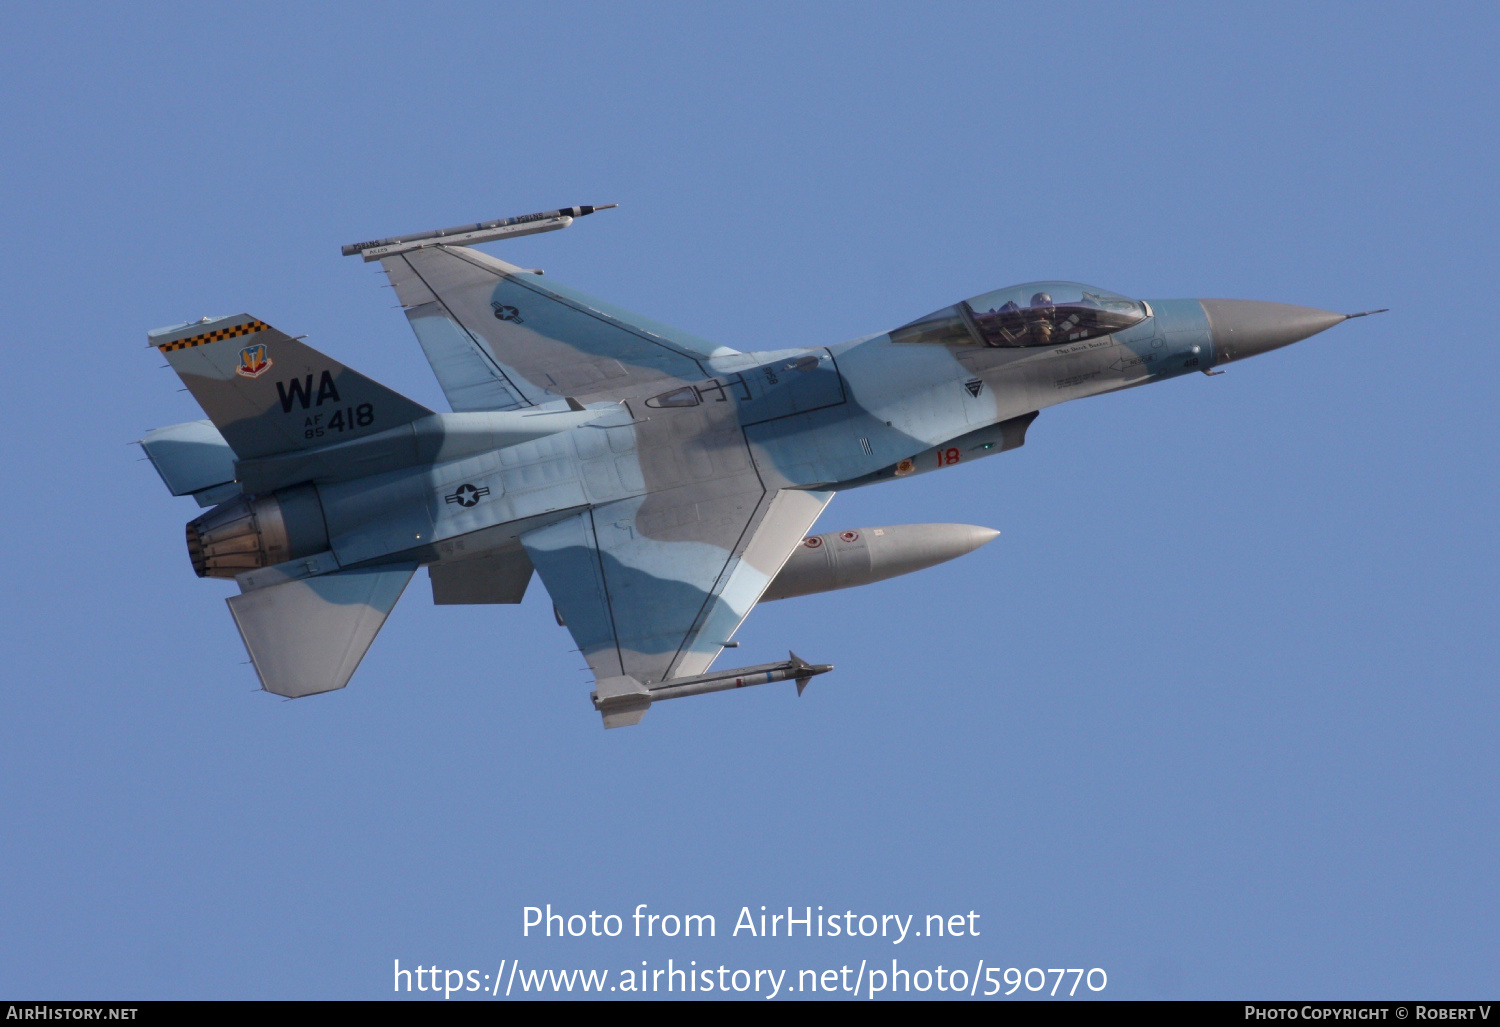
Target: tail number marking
(298, 393)
(344, 419)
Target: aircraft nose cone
(978, 536)
(1244, 328)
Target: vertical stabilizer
(268, 393)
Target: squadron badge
(254, 361)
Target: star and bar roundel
(467, 494)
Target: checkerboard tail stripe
(248, 328)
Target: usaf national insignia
(467, 495)
(506, 312)
(254, 361)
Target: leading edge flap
(308, 636)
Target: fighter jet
(658, 484)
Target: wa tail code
(300, 391)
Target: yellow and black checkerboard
(248, 328)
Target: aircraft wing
(500, 338)
(652, 592)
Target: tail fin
(268, 393)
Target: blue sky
(1217, 712)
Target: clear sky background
(1217, 712)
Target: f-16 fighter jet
(658, 484)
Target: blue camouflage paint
(675, 477)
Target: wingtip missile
(477, 232)
(624, 701)
(1367, 313)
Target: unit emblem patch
(254, 361)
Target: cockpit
(1034, 314)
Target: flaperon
(660, 485)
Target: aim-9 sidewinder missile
(468, 235)
(624, 700)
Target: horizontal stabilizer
(308, 636)
(193, 460)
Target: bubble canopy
(1033, 314)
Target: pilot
(1039, 317)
